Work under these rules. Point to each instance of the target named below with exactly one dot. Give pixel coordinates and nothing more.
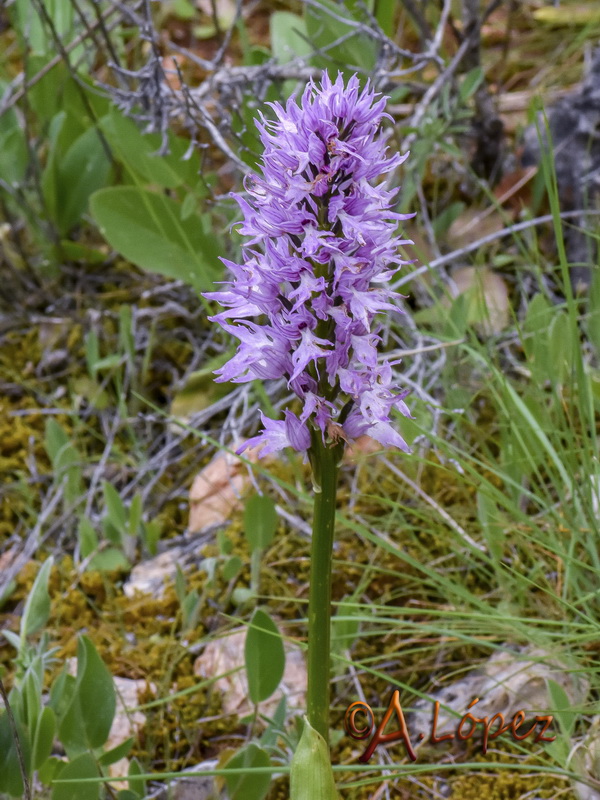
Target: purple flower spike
(322, 246)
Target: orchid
(322, 245)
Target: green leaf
(13, 638)
(11, 781)
(180, 587)
(37, 606)
(127, 794)
(88, 539)
(311, 775)
(191, 609)
(82, 766)
(138, 151)
(44, 737)
(31, 694)
(28, 24)
(65, 459)
(50, 769)
(147, 229)
(116, 753)
(137, 785)
(115, 509)
(135, 515)
(13, 146)
(561, 707)
(264, 656)
(260, 521)
(61, 693)
(232, 567)
(94, 689)
(323, 29)
(385, 12)
(248, 786)
(289, 38)
(189, 206)
(470, 83)
(55, 439)
(83, 171)
(151, 532)
(110, 560)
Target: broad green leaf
(55, 439)
(68, 464)
(13, 146)
(44, 737)
(88, 539)
(82, 766)
(65, 459)
(84, 169)
(385, 12)
(61, 693)
(50, 769)
(264, 656)
(31, 693)
(260, 521)
(94, 689)
(180, 587)
(191, 609)
(189, 205)
(37, 606)
(116, 753)
(311, 775)
(147, 229)
(151, 532)
(114, 506)
(324, 28)
(137, 785)
(135, 515)
(11, 781)
(138, 151)
(110, 560)
(232, 567)
(139, 154)
(470, 83)
(249, 786)
(562, 707)
(28, 24)
(289, 38)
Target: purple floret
(322, 246)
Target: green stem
(324, 462)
